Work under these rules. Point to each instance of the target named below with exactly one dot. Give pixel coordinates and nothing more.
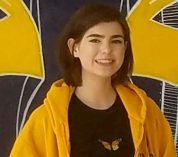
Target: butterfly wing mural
(154, 44)
(154, 35)
(20, 50)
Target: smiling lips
(104, 61)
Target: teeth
(104, 61)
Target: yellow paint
(155, 45)
(20, 47)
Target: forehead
(105, 28)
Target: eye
(95, 40)
(2, 14)
(117, 41)
(168, 16)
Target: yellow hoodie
(46, 133)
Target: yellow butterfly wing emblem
(105, 144)
(115, 144)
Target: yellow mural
(155, 45)
(20, 47)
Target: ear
(72, 47)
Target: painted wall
(28, 63)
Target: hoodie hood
(134, 100)
(57, 100)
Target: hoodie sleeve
(32, 140)
(162, 132)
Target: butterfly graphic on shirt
(114, 145)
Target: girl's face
(101, 50)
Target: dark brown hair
(85, 18)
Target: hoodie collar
(58, 99)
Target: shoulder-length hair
(85, 18)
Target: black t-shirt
(99, 133)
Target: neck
(96, 92)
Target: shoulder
(38, 118)
(152, 108)
(54, 108)
(39, 113)
(139, 101)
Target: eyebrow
(102, 36)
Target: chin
(105, 75)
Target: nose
(106, 47)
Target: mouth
(104, 61)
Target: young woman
(94, 111)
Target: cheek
(87, 53)
(121, 59)
(120, 53)
(85, 57)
